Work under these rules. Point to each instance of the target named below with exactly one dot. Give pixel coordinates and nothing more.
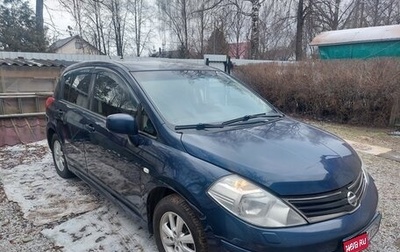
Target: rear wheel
(176, 227)
(59, 158)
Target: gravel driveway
(41, 212)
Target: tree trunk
(255, 29)
(335, 25)
(185, 28)
(138, 25)
(202, 30)
(299, 31)
(116, 20)
(39, 17)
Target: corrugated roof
(35, 62)
(358, 35)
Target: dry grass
(353, 92)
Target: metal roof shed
(360, 43)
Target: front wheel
(59, 158)
(176, 227)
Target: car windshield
(190, 97)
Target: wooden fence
(22, 104)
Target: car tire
(59, 158)
(172, 210)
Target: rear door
(70, 112)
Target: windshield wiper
(199, 126)
(248, 117)
(202, 126)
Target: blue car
(206, 162)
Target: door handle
(60, 113)
(89, 127)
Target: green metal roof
(360, 43)
(358, 35)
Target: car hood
(286, 156)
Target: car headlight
(253, 204)
(365, 172)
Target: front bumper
(371, 230)
(326, 236)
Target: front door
(112, 160)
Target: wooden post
(1, 106)
(2, 80)
(395, 114)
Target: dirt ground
(385, 137)
(19, 232)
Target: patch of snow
(105, 229)
(89, 222)
(15, 148)
(22, 147)
(43, 196)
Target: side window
(76, 87)
(146, 125)
(110, 95)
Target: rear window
(76, 87)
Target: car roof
(142, 65)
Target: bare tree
(90, 18)
(176, 13)
(254, 15)
(333, 15)
(181, 16)
(205, 14)
(139, 10)
(382, 12)
(96, 24)
(276, 30)
(118, 18)
(358, 17)
(201, 26)
(236, 28)
(75, 8)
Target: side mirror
(122, 124)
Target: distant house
(73, 45)
(239, 50)
(360, 43)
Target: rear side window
(76, 87)
(110, 95)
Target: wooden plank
(23, 115)
(29, 94)
(25, 103)
(395, 114)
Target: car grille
(326, 206)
